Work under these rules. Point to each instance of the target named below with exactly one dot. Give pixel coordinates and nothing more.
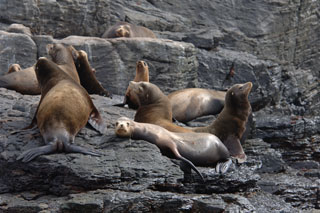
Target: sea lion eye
(117, 123)
(127, 123)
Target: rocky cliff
(273, 44)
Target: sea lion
(188, 104)
(86, 74)
(231, 122)
(64, 58)
(25, 81)
(142, 74)
(194, 149)
(125, 29)
(154, 106)
(22, 81)
(14, 68)
(64, 108)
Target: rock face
(273, 44)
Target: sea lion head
(123, 31)
(237, 95)
(142, 72)
(60, 54)
(124, 127)
(144, 92)
(14, 68)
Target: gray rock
(16, 49)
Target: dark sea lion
(188, 104)
(231, 122)
(125, 29)
(154, 106)
(14, 68)
(23, 81)
(87, 77)
(64, 108)
(194, 149)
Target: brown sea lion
(86, 74)
(64, 108)
(64, 58)
(14, 68)
(125, 29)
(154, 106)
(188, 104)
(142, 74)
(23, 81)
(194, 149)
(231, 122)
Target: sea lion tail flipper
(78, 149)
(35, 152)
(234, 146)
(96, 121)
(222, 167)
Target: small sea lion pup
(188, 104)
(231, 122)
(64, 108)
(23, 81)
(154, 106)
(125, 29)
(193, 149)
(86, 74)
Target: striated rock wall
(275, 44)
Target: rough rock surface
(275, 44)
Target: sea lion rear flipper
(178, 156)
(234, 146)
(78, 149)
(35, 152)
(96, 121)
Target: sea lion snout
(247, 87)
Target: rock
(133, 174)
(19, 28)
(16, 49)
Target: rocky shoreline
(275, 45)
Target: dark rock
(16, 49)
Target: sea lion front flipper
(35, 152)
(96, 121)
(234, 146)
(222, 167)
